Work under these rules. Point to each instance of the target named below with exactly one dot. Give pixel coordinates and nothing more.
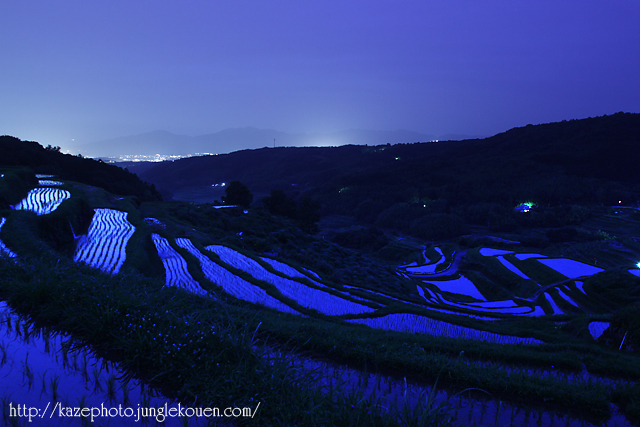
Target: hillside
(49, 161)
(182, 296)
(590, 162)
(506, 165)
(225, 141)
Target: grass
(3, 354)
(97, 386)
(432, 256)
(54, 383)
(200, 350)
(125, 393)
(497, 273)
(27, 372)
(4, 402)
(15, 185)
(537, 271)
(183, 360)
(111, 387)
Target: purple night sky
(90, 70)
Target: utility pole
(274, 143)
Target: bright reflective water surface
(43, 383)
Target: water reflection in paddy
(472, 407)
(40, 371)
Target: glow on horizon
(436, 68)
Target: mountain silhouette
(229, 140)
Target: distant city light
(638, 265)
(152, 158)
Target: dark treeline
(434, 190)
(49, 160)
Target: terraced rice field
(552, 303)
(483, 308)
(489, 314)
(105, 244)
(597, 328)
(291, 272)
(461, 285)
(43, 200)
(415, 269)
(491, 307)
(49, 182)
(522, 257)
(512, 267)
(232, 284)
(39, 370)
(304, 295)
(570, 268)
(287, 270)
(567, 298)
(493, 252)
(412, 323)
(493, 304)
(153, 221)
(313, 273)
(175, 266)
(380, 294)
(3, 249)
(567, 267)
(424, 257)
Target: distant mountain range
(592, 160)
(229, 140)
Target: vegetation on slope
(388, 187)
(425, 358)
(49, 160)
(557, 165)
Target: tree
(236, 193)
(279, 204)
(309, 215)
(306, 214)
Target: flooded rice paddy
(473, 407)
(46, 380)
